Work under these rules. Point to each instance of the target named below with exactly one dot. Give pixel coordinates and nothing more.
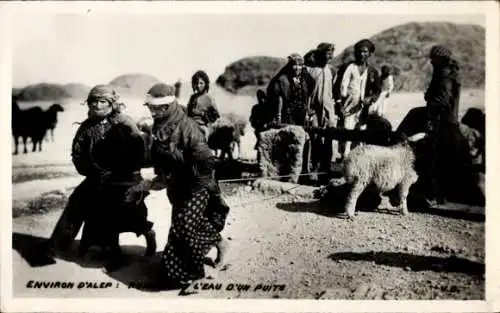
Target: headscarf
(440, 51)
(160, 94)
(105, 92)
(364, 43)
(295, 58)
(325, 47)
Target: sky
(93, 49)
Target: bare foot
(151, 243)
(222, 248)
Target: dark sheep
(28, 123)
(225, 134)
(51, 118)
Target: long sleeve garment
(180, 153)
(112, 145)
(443, 94)
(203, 109)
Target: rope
(255, 178)
(264, 200)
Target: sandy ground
(281, 246)
(294, 247)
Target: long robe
(185, 165)
(109, 153)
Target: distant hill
(76, 90)
(247, 74)
(51, 92)
(133, 84)
(404, 47)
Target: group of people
(109, 150)
(308, 92)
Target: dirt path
(293, 248)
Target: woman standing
(288, 92)
(442, 97)
(109, 151)
(184, 165)
(201, 106)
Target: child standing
(201, 106)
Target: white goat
(385, 167)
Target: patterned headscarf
(440, 51)
(364, 43)
(105, 92)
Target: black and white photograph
(267, 152)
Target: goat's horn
(417, 137)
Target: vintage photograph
(248, 156)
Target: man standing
(321, 104)
(356, 89)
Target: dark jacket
(110, 153)
(202, 109)
(113, 145)
(443, 94)
(180, 153)
(281, 86)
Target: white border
(489, 8)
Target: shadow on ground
(331, 200)
(137, 272)
(415, 262)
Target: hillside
(247, 74)
(133, 84)
(51, 92)
(404, 47)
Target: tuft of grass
(46, 202)
(21, 177)
(24, 173)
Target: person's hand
(332, 121)
(278, 119)
(135, 194)
(102, 177)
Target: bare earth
(294, 248)
(282, 246)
